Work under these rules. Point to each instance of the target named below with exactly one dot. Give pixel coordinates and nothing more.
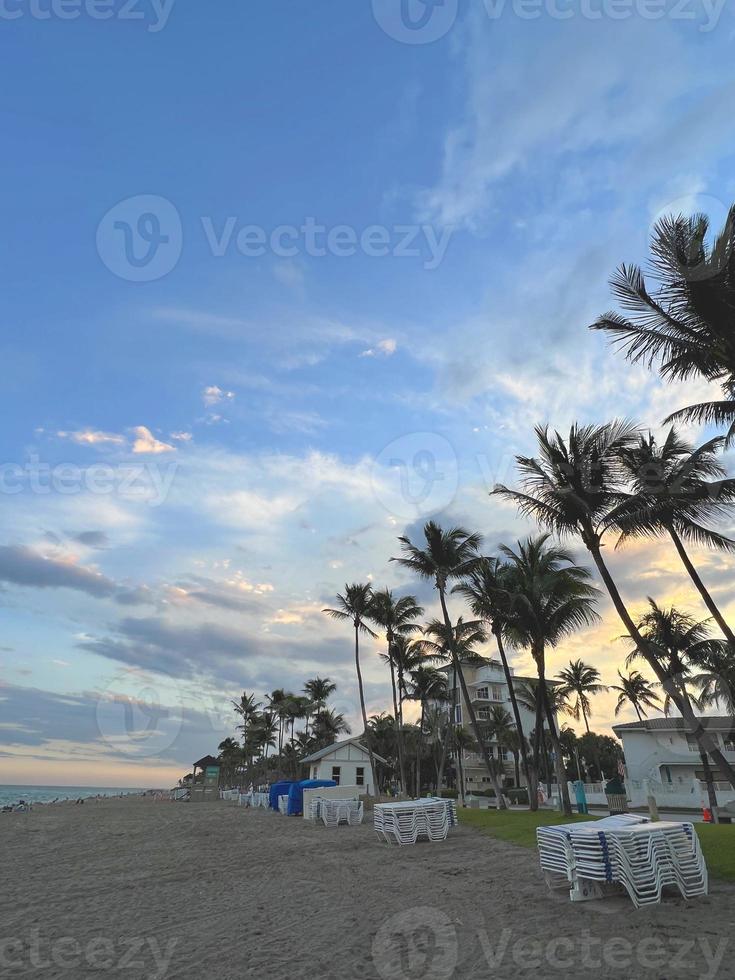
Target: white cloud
(146, 442)
(93, 437)
(214, 395)
(182, 436)
(384, 348)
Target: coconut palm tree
(462, 741)
(397, 616)
(500, 728)
(685, 324)
(677, 490)
(487, 596)
(355, 606)
(449, 556)
(573, 489)
(681, 640)
(278, 702)
(715, 679)
(636, 690)
(247, 708)
(427, 684)
(328, 725)
(581, 681)
(318, 690)
(552, 598)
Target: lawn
(519, 827)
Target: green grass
(519, 827)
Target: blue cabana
(278, 789)
(296, 794)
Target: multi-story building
(487, 688)
(661, 749)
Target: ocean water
(46, 794)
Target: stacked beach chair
(409, 822)
(260, 799)
(623, 853)
(334, 812)
(283, 804)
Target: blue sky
(235, 431)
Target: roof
(718, 723)
(208, 760)
(316, 756)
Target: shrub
(449, 794)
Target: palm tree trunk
(584, 715)
(637, 710)
(691, 721)
(489, 765)
(397, 719)
(368, 740)
(561, 776)
(460, 775)
(701, 588)
(536, 771)
(514, 704)
(443, 762)
(419, 749)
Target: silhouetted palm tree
(427, 684)
(685, 324)
(485, 591)
(318, 690)
(447, 556)
(328, 725)
(354, 606)
(636, 690)
(677, 490)
(573, 489)
(398, 618)
(581, 681)
(715, 677)
(552, 598)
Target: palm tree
(500, 727)
(574, 489)
(581, 680)
(398, 618)
(686, 323)
(675, 489)
(355, 606)
(328, 725)
(716, 678)
(636, 690)
(265, 730)
(247, 708)
(278, 704)
(551, 599)
(485, 592)
(449, 555)
(462, 742)
(427, 684)
(681, 640)
(318, 690)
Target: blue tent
(278, 789)
(296, 794)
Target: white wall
(663, 756)
(349, 759)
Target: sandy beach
(141, 889)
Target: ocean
(46, 794)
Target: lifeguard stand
(205, 785)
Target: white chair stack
(245, 799)
(625, 852)
(283, 804)
(260, 799)
(315, 809)
(334, 812)
(409, 822)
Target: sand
(140, 889)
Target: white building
(660, 750)
(346, 762)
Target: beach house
(346, 762)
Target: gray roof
(720, 723)
(315, 756)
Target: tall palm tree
(685, 323)
(676, 490)
(573, 488)
(278, 704)
(355, 607)
(485, 592)
(680, 640)
(449, 556)
(501, 729)
(581, 681)
(636, 690)
(397, 616)
(247, 708)
(715, 679)
(327, 727)
(265, 732)
(427, 684)
(462, 741)
(551, 599)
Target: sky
(281, 281)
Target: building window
(360, 776)
(483, 693)
(458, 714)
(497, 692)
(729, 742)
(335, 774)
